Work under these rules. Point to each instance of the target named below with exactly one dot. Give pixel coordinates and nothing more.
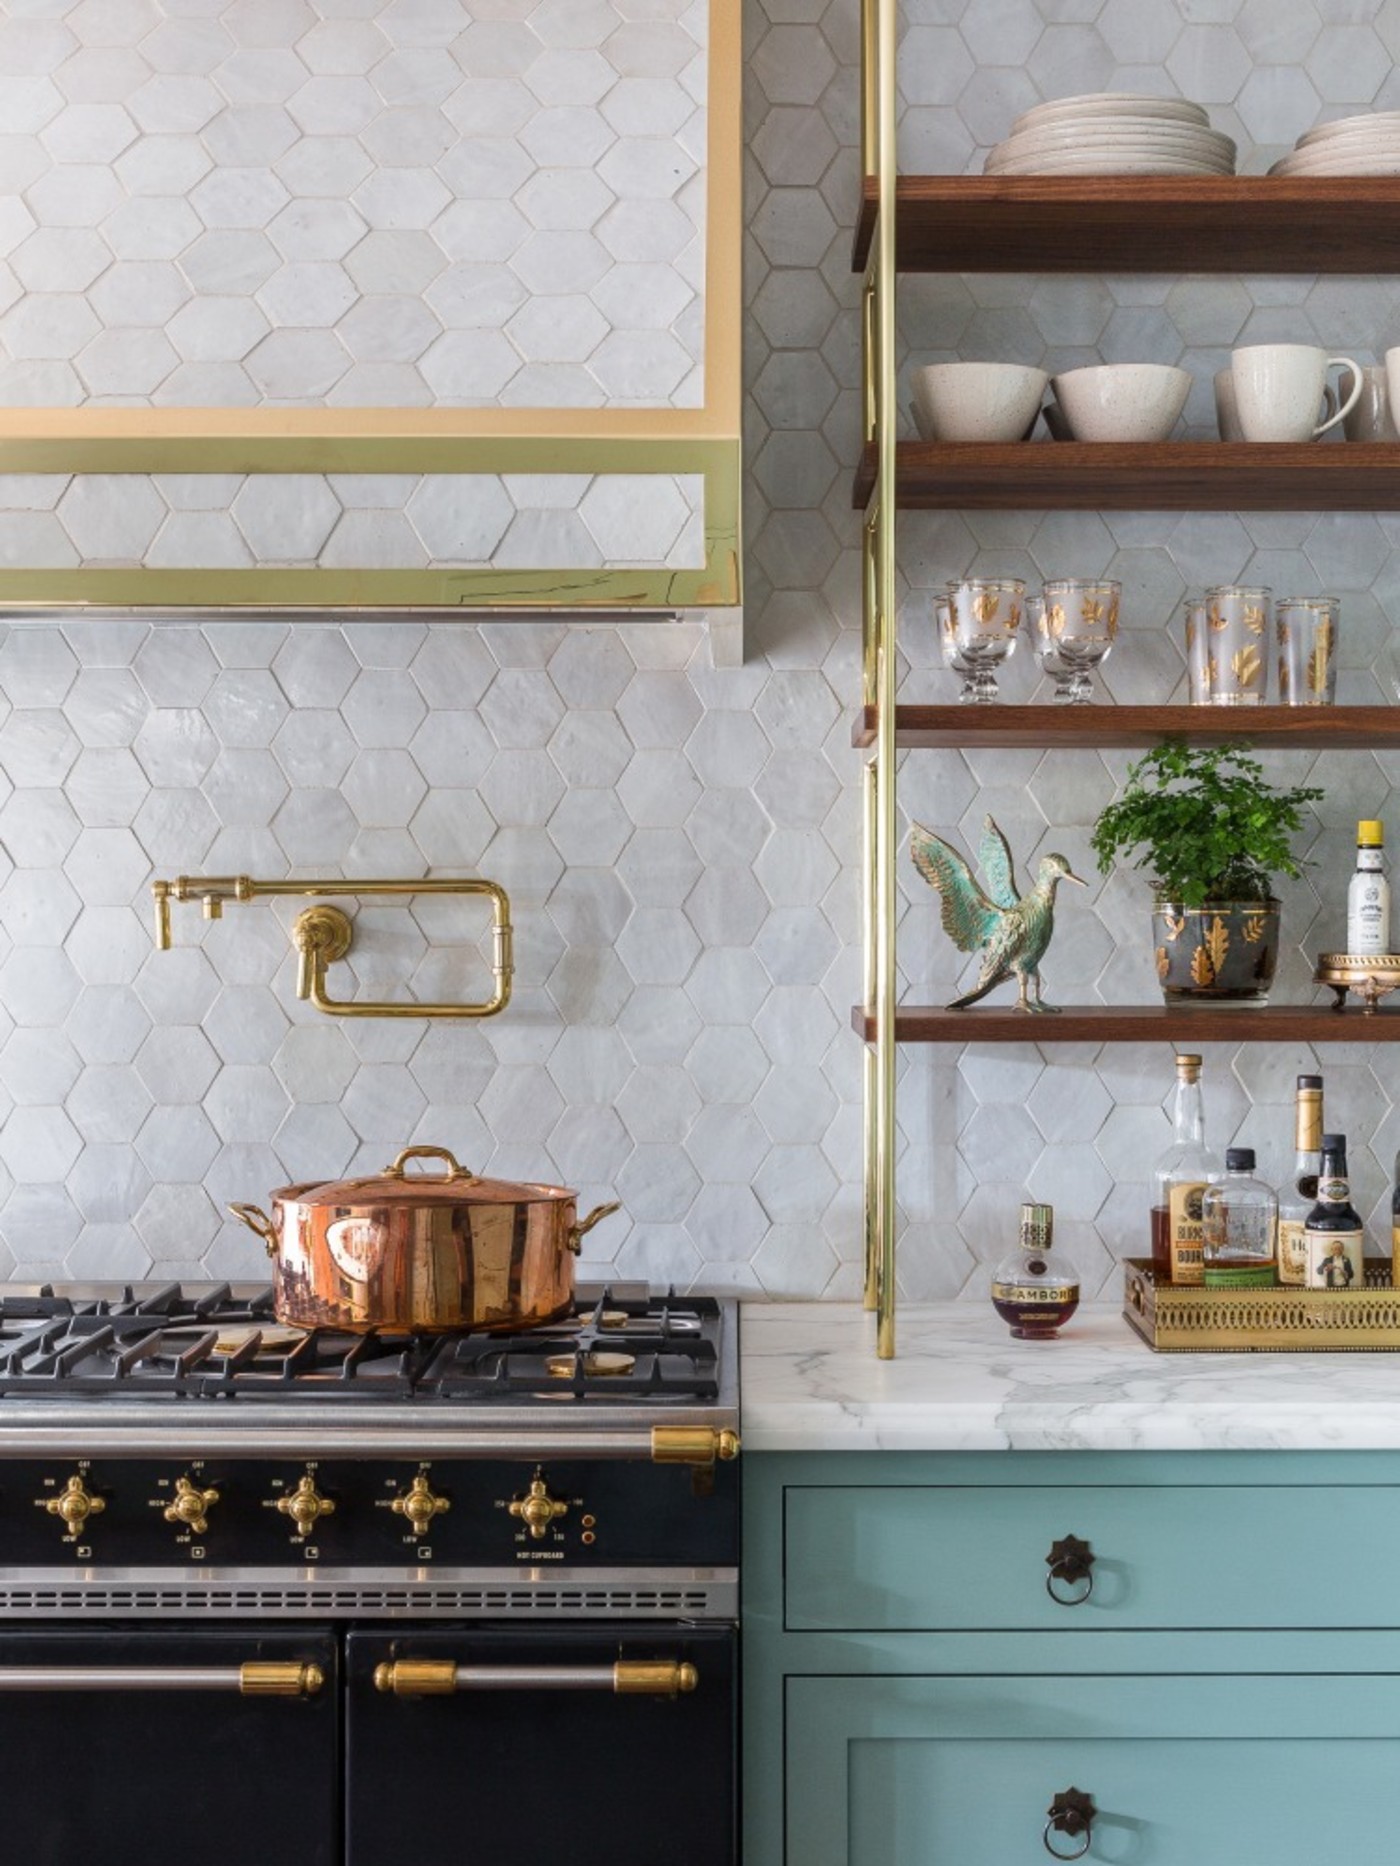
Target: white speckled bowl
(976, 401)
(1122, 401)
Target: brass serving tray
(1373, 976)
(1178, 1319)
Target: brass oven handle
(693, 1444)
(1071, 1812)
(1069, 1563)
(415, 1678)
(258, 1678)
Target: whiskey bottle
(1395, 1228)
(1180, 1178)
(1239, 1215)
(1299, 1194)
(1036, 1291)
(1336, 1242)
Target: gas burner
(218, 1344)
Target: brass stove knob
(419, 1505)
(305, 1505)
(74, 1503)
(538, 1510)
(191, 1506)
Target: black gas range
(381, 1578)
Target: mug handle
(1358, 382)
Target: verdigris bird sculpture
(1011, 932)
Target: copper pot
(420, 1252)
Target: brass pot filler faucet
(322, 934)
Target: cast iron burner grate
(216, 1345)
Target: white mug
(1227, 418)
(1278, 389)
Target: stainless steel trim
(420, 1593)
(121, 1678)
(190, 1429)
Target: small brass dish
(1373, 975)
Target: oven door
(474, 1746)
(118, 1746)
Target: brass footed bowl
(1373, 975)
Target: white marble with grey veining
(811, 1382)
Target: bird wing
(994, 856)
(969, 918)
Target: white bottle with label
(1368, 896)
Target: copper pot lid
(396, 1186)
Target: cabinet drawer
(887, 1558)
(1183, 1771)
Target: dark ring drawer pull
(1071, 1812)
(1071, 1565)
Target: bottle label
(1333, 1191)
(1035, 1292)
(1292, 1251)
(1395, 1254)
(1253, 1276)
(1184, 1235)
(1336, 1259)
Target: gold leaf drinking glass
(1237, 631)
(1306, 628)
(1194, 613)
(1076, 622)
(980, 625)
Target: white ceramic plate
(1111, 104)
(1140, 136)
(1103, 165)
(1375, 122)
(1375, 162)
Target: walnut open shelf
(1107, 727)
(1131, 476)
(1138, 1023)
(1139, 223)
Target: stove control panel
(274, 1513)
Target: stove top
(147, 1355)
(214, 1344)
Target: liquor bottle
(1239, 1215)
(1299, 1194)
(1395, 1228)
(1335, 1240)
(1181, 1176)
(1036, 1290)
(1368, 896)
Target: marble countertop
(810, 1381)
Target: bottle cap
(1037, 1226)
(1310, 1082)
(1370, 834)
(1334, 1143)
(1185, 1064)
(1239, 1159)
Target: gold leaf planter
(1226, 951)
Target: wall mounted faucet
(322, 934)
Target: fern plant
(1207, 825)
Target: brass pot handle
(257, 1220)
(1071, 1812)
(454, 1169)
(577, 1232)
(1070, 1563)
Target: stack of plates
(1367, 145)
(1113, 133)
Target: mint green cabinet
(1229, 1694)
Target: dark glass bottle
(1334, 1236)
(1395, 1227)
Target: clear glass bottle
(1299, 1194)
(1239, 1217)
(1368, 895)
(1035, 1290)
(1180, 1177)
(1335, 1237)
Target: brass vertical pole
(869, 798)
(869, 106)
(886, 168)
